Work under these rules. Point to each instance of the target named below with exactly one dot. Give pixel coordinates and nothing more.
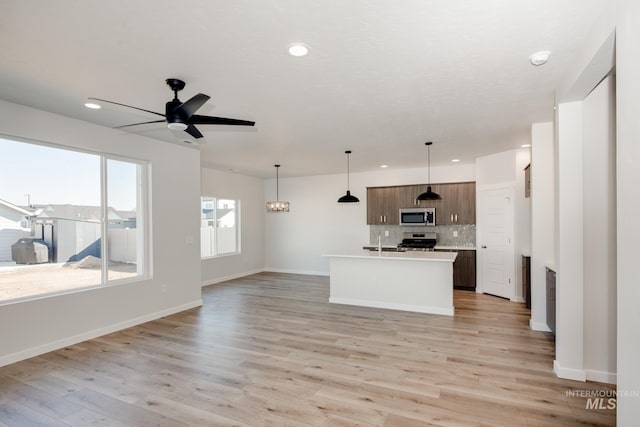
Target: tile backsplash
(466, 234)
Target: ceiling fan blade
(208, 120)
(125, 105)
(192, 105)
(193, 131)
(141, 123)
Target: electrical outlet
(163, 288)
(455, 234)
(386, 233)
(189, 239)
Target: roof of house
(83, 213)
(8, 205)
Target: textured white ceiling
(382, 77)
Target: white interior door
(496, 242)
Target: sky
(47, 175)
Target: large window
(68, 219)
(219, 229)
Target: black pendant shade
(428, 195)
(348, 198)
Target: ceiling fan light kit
(180, 116)
(298, 49)
(539, 58)
(429, 194)
(348, 198)
(277, 206)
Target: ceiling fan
(181, 115)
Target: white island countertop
(455, 248)
(419, 281)
(409, 255)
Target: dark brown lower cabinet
(526, 279)
(551, 299)
(464, 269)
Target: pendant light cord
(277, 184)
(429, 163)
(348, 172)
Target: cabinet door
(448, 204)
(407, 195)
(458, 205)
(466, 203)
(464, 270)
(382, 205)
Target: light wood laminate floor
(269, 350)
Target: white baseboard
(537, 326)
(56, 345)
(569, 373)
(305, 272)
(602, 376)
(230, 277)
(393, 306)
(517, 299)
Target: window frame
(143, 215)
(237, 215)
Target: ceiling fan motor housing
(176, 120)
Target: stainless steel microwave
(417, 216)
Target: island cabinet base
(393, 283)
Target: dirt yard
(25, 281)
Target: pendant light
(277, 206)
(348, 198)
(428, 195)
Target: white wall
(585, 246)
(317, 224)
(496, 169)
(507, 169)
(599, 232)
(628, 207)
(522, 220)
(175, 200)
(569, 361)
(542, 219)
(250, 192)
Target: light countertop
(407, 256)
(382, 246)
(456, 248)
(441, 247)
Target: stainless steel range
(418, 241)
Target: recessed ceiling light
(539, 58)
(384, 166)
(298, 49)
(92, 106)
(455, 160)
(525, 145)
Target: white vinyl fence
(122, 245)
(217, 241)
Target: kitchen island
(411, 281)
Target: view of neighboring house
(14, 224)
(71, 231)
